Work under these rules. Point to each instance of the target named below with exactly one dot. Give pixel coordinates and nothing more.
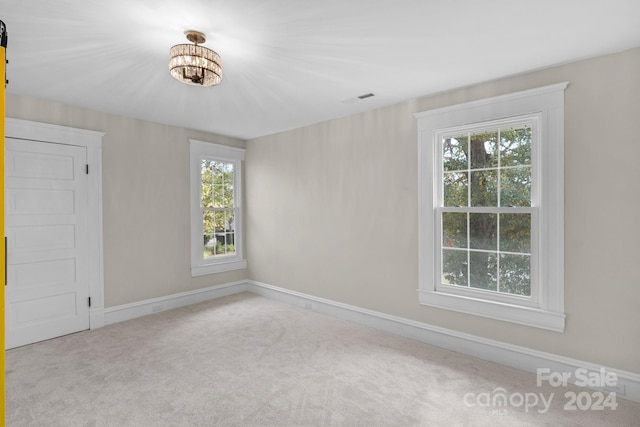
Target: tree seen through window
(485, 246)
(218, 208)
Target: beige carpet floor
(245, 360)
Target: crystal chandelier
(194, 64)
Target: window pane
(219, 184)
(219, 233)
(483, 231)
(209, 246)
(455, 153)
(454, 230)
(455, 189)
(515, 274)
(229, 233)
(227, 183)
(208, 222)
(207, 181)
(228, 174)
(483, 270)
(515, 187)
(208, 226)
(218, 199)
(218, 172)
(515, 146)
(515, 233)
(207, 165)
(484, 150)
(228, 196)
(219, 221)
(223, 197)
(229, 243)
(454, 267)
(484, 188)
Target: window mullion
(499, 169)
(498, 238)
(468, 169)
(499, 197)
(468, 250)
(469, 185)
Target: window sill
(218, 267)
(534, 317)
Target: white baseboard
(124, 312)
(523, 358)
(96, 317)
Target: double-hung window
(216, 214)
(491, 207)
(484, 215)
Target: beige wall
(145, 203)
(332, 211)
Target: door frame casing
(92, 141)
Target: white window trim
(547, 309)
(200, 150)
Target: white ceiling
(288, 63)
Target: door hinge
(87, 169)
(89, 301)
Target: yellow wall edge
(2, 246)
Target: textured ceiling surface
(289, 63)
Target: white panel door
(47, 241)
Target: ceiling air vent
(357, 98)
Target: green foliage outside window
(218, 208)
(482, 250)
